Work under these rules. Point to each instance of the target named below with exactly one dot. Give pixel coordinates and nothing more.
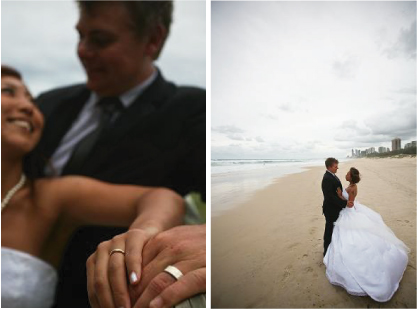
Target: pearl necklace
(12, 192)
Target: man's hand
(106, 272)
(183, 247)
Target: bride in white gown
(364, 257)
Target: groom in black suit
(332, 204)
(126, 125)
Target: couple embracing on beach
(361, 253)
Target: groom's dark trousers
(332, 205)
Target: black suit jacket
(332, 203)
(160, 140)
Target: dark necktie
(109, 106)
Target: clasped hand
(339, 193)
(137, 277)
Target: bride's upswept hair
(354, 175)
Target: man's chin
(97, 87)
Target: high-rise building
(382, 149)
(409, 145)
(396, 144)
(370, 150)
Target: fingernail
(133, 277)
(156, 303)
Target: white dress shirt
(86, 122)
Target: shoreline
(267, 251)
(230, 203)
(237, 185)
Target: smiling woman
(38, 215)
(22, 122)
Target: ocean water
(235, 180)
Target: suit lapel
(335, 178)
(59, 122)
(148, 102)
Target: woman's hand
(110, 272)
(339, 193)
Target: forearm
(158, 210)
(351, 200)
(339, 194)
(338, 201)
(335, 199)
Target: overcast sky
(39, 39)
(311, 79)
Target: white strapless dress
(365, 257)
(26, 281)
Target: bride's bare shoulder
(49, 192)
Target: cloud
(401, 123)
(286, 107)
(269, 116)
(409, 90)
(405, 46)
(230, 131)
(236, 137)
(227, 129)
(259, 139)
(381, 127)
(346, 67)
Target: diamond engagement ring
(174, 272)
(117, 251)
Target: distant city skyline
(396, 144)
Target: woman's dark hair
(9, 71)
(354, 175)
(34, 161)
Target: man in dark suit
(332, 203)
(127, 125)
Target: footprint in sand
(287, 273)
(312, 230)
(308, 269)
(293, 245)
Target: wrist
(150, 228)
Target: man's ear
(156, 40)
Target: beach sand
(268, 251)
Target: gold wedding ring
(174, 272)
(117, 251)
